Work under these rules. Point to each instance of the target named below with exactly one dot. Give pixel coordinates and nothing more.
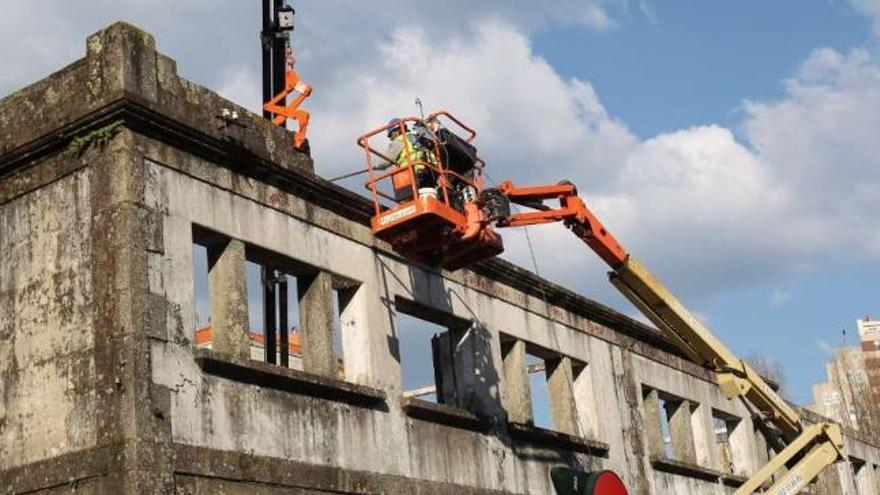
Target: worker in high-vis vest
(406, 150)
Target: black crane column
(269, 314)
(266, 37)
(279, 58)
(273, 38)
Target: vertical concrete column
(129, 318)
(703, 426)
(585, 400)
(560, 381)
(742, 448)
(227, 288)
(316, 320)
(762, 454)
(653, 425)
(517, 396)
(681, 430)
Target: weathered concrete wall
(47, 363)
(104, 391)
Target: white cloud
(798, 192)
(821, 141)
(533, 124)
(825, 347)
(871, 8)
(779, 297)
(595, 15)
(709, 211)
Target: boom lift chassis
(804, 449)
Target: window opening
(201, 296)
(273, 311)
(542, 414)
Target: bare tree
(770, 369)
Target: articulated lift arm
(807, 449)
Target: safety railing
(408, 171)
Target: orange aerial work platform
(424, 207)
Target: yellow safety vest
(410, 153)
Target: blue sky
(732, 146)
(697, 61)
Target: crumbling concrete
(113, 167)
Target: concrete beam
(560, 381)
(517, 396)
(316, 319)
(227, 287)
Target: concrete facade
(110, 171)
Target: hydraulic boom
(805, 450)
(450, 220)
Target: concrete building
(869, 336)
(844, 397)
(112, 168)
(851, 393)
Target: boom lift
(455, 226)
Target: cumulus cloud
(821, 140)
(779, 297)
(534, 125)
(711, 208)
(870, 8)
(794, 193)
(824, 347)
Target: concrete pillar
(316, 320)
(653, 425)
(227, 287)
(585, 400)
(560, 381)
(863, 478)
(742, 448)
(681, 430)
(703, 427)
(517, 396)
(762, 454)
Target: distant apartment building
(851, 393)
(869, 335)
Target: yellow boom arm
(817, 445)
(807, 449)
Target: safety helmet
(393, 126)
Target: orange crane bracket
(280, 113)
